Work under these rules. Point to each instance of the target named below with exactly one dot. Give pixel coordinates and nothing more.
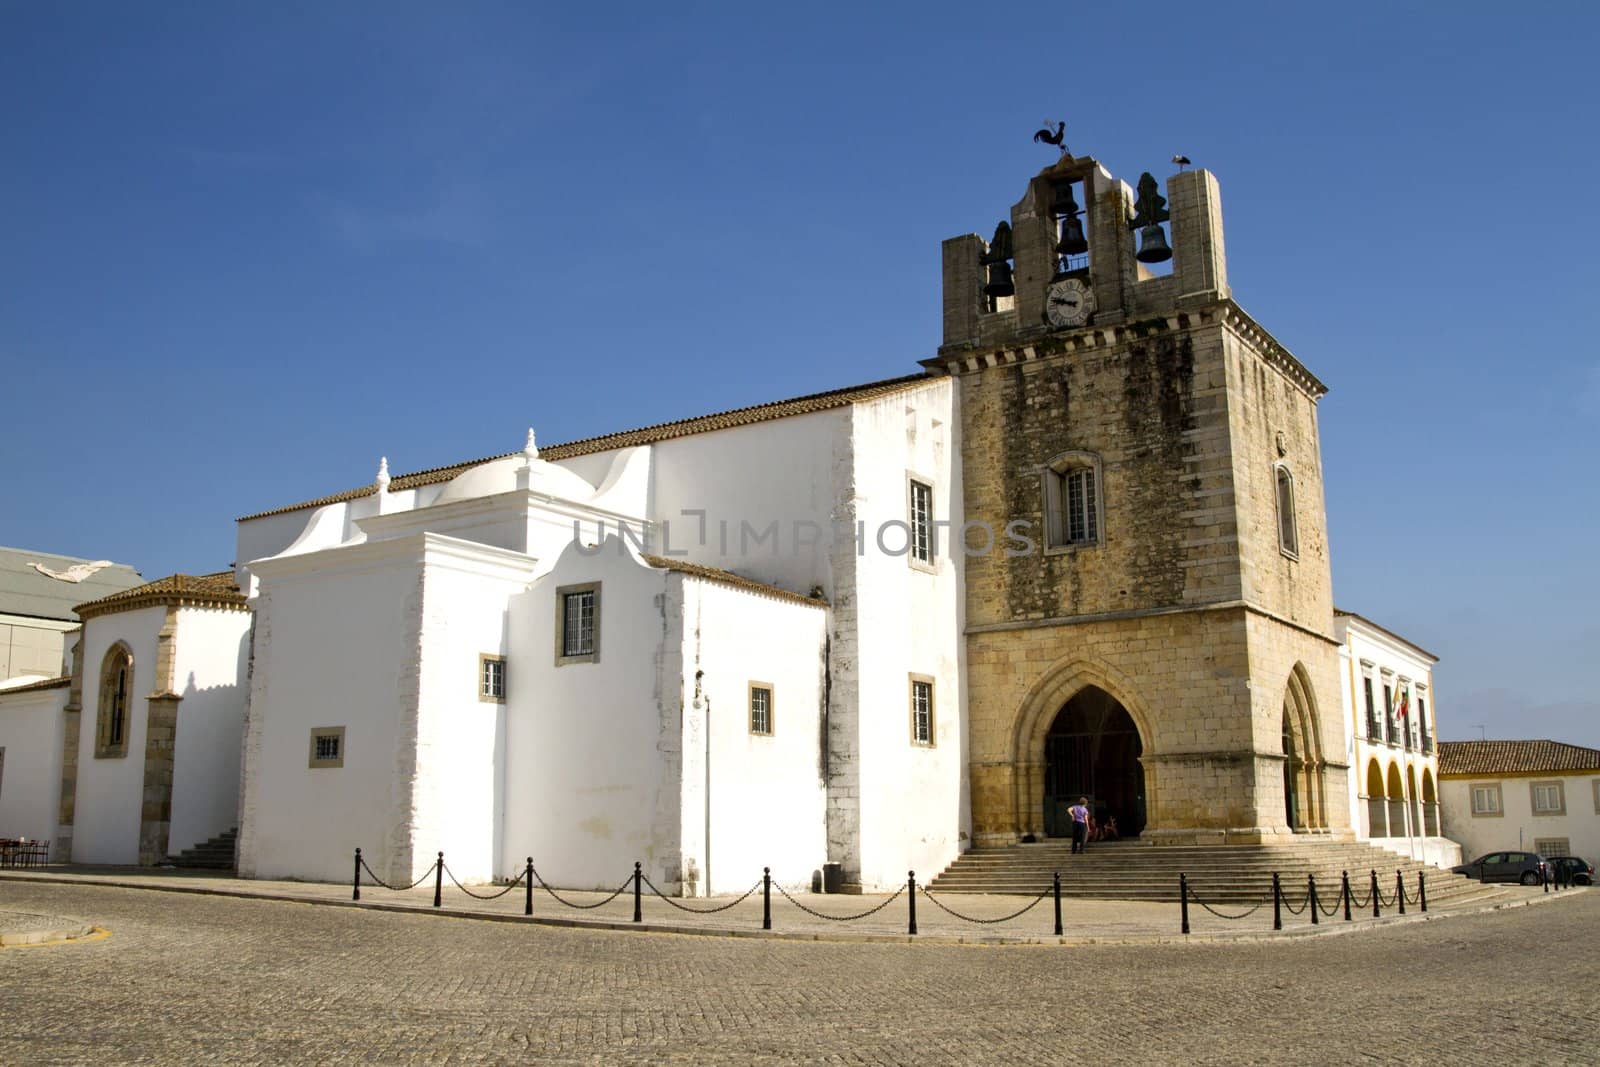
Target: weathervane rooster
(1058, 138)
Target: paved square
(187, 978)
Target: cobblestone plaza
(187, 978)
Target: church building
(1081, 552)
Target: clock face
(1068, 302)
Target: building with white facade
(1387, 683)
(1535, 796)
(1082, 552)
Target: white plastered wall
(913, 804)
(1518, 827)
(589, 787)
(110, 791)
(212, 648)
(751, 801)
(30, 778)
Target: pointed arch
(1045, 698)
(114, 708)
(1304, 777)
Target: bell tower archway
(1093, 751)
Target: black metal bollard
(527, 901)
(1058, 903)
(638, 901)
(1277, 903)
(911, 891)
(1422, 892)
(766, 898)
(1183, 898)
(1400, 891)
(438, 880)
(1311, 897)
(356, 893)
(1344, 889)
(1375, 902)
(1544, 876)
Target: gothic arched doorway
(1093, 750)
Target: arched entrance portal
(1093, 750)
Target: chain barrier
(396, 888)
(1242, 915)
(621, 889)
(1290, 908)
(839, 918)
(700, 911)
(484, 896)
(1358, 901)
(1338, 902)
(986, 922)
(1386, 901)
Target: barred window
(491, 679)
(921, 710)
(327, 747)
(1552, 847)
(921, 538)
(761, 708)
(578, 624)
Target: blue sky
(247, 250)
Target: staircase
(213, 855)
(1133, 870)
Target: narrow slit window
(1288, 532)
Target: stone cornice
(1091, 338)
(1145, 613)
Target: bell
(999, 283)
(1072, 242)
(1153, 245)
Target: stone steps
(1131, 870)
(213, 855)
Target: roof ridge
(740, 416)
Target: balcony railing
(1427, 744)
(1374, 731)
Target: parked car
(1529, 868)
(1575, 870)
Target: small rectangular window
(921, 536)
(761, 708)
(1082, 519)
(578, 624)
(1486, 800)
(327, 746)
(1549, 799)
(491, 679)
(1374, 729)
(1288, 533)
(921, 710)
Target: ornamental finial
(383, 472)
(531, 450)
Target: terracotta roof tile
(1478, 759)
(712, 574)
(663, 431)
(205, 590)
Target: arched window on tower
(1288, 531)
(1072, 501)
(116, 698)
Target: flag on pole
(1400, 709)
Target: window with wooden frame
(112, 716)
(761, 708)
(1549, 798)
(578, 624)
(1072, 503)
(491, 678)
(1486, 799)
(327, 747)
(922, 710)
(919, 521)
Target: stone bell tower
(1158, 636)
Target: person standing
(1080, 825)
